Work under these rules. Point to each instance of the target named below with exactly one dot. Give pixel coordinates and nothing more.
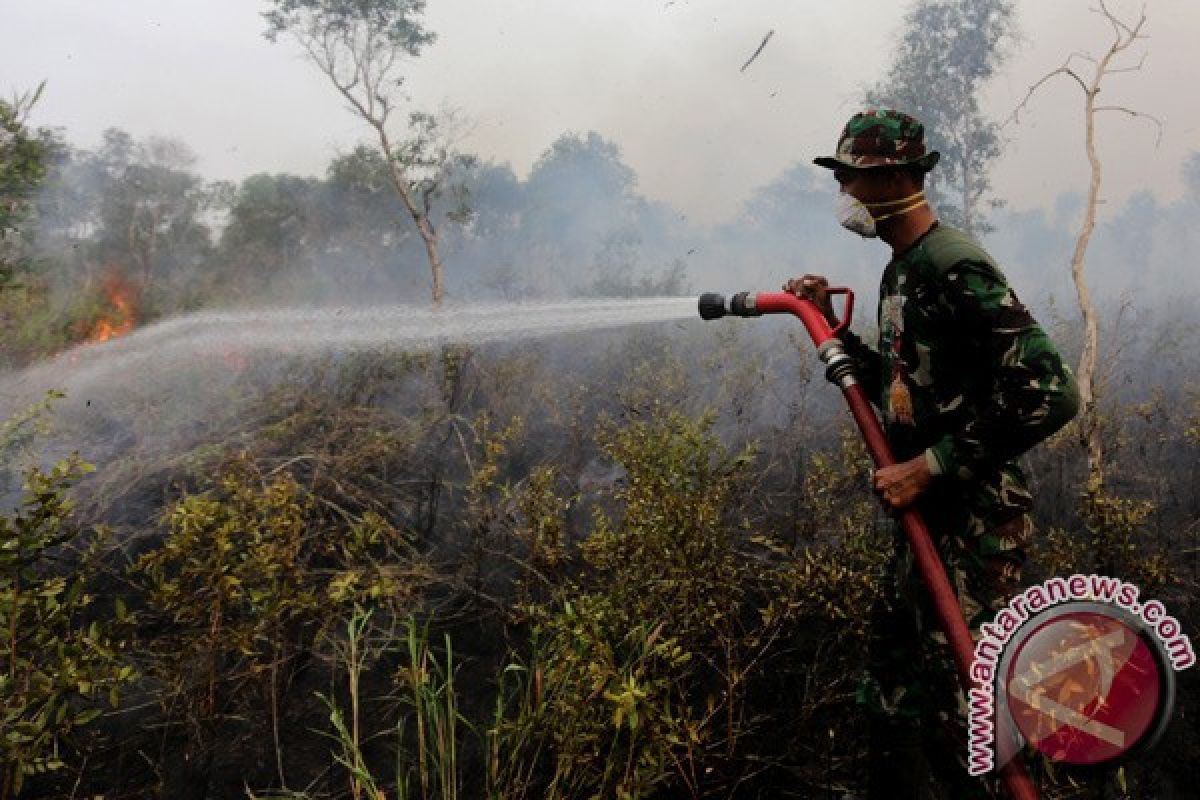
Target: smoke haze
(660, 79)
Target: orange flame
(121, 318)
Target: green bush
(643, 665)
(62, 661)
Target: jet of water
(166, 350)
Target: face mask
(861, 218)
(853, 216)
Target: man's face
(873, 185)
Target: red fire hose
(929, 566)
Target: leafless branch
(1125, 34)
(1135, 68)
(1065, 69)
(1117, 24)
(1157, 122)
(750, 60)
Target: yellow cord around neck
(915, 201)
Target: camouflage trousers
(917, 711)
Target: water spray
(839, 369)
(171, 349)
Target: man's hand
(900, 485)
(815, 288)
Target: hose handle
(847, 308)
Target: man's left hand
(900, 485)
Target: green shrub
(61, 657)
(230, 579)
(1114, 540)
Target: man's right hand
(815, 288)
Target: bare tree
(1125, 36)
(360, 46)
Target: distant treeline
(140, 214)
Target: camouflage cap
(882, 138)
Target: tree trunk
(419, 216)
(430, 237)
(966, 195)
(133, 245)
(1089, 432)
(964, 164)
(151, 245)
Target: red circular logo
(1084, 687)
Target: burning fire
(120, 319)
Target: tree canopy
(23, 159)
(396, 22)
(945, 54)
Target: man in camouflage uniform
(966, 381)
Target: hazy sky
(660, 78)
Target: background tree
(23, 158)
(359, 208)
(581, 211)
(269, 235)
(493, 241)
(947, 52)
(1125, 36)
(360, 45)
(1191, 174)
(150, 213)
(132, 208)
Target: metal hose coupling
(714, 306)
(839, 367)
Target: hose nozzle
(714, 306)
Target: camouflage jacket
(963, 373)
